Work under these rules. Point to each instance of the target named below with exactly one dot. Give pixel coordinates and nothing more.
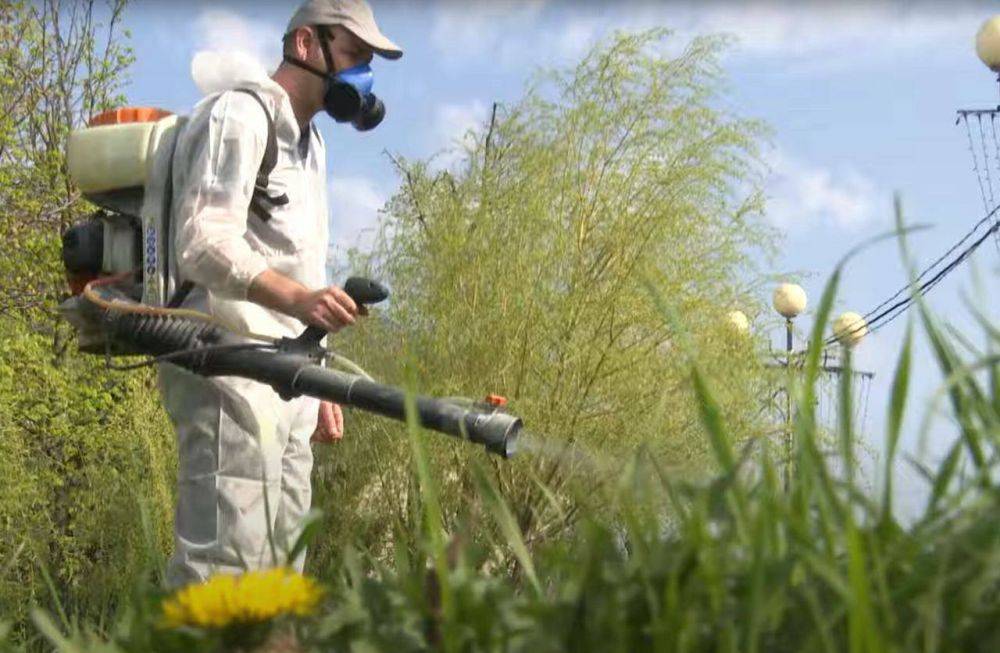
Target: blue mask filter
(348, 96)
(360, 77)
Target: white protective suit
(237, 440)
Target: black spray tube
(292, 371)
(292, 375)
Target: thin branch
(489, 136)
(410, 186)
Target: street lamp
(849, 329)
(790, 301)
(739, 322)
(988, 43)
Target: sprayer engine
(121, 162)
(107, 243)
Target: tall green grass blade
(12, 560)
(995, 386)
(268, 522)
(897, 411)
(432, 514)
(711, 417)
(864, 635)
(508, 525)
(960, 380)
(946, 358)
(962, 395)
(820, 620)
(310, 528)
(812, 469)
(845, 417)
(50, 631)
(54, 594)
(550, 498)
(944, 476)
(826, 570)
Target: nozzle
(497, 431)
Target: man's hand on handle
(329, 308)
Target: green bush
(82, 452)
(523, 272)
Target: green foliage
(522, 271)
(737, 563)
(55, 73)
(81, 452)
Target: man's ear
(300, 42)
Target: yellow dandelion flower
(253, 597)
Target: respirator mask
(348, 96)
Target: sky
(860, 97)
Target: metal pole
(788, 404)
(846, 411)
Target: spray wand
(292, 366)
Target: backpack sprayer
(118, 266)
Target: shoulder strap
(260, 194)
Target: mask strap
(304, 66)
(324, 42)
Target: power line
(892, 307)
(880, 318)
(926, 287)
(936, 261)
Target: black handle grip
(362, 291)
(365, 291)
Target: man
(251, 233)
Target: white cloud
(495, 28)
(454, 126)
(840, 34)
(803, 194)
(354, 203)
(232, 47)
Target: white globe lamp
(988, 43)
(849, 329)
(789, 300)
(738, 322)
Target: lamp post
(790, 301)
(849, 329)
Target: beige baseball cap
(355, 15)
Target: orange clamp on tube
(496, 400)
